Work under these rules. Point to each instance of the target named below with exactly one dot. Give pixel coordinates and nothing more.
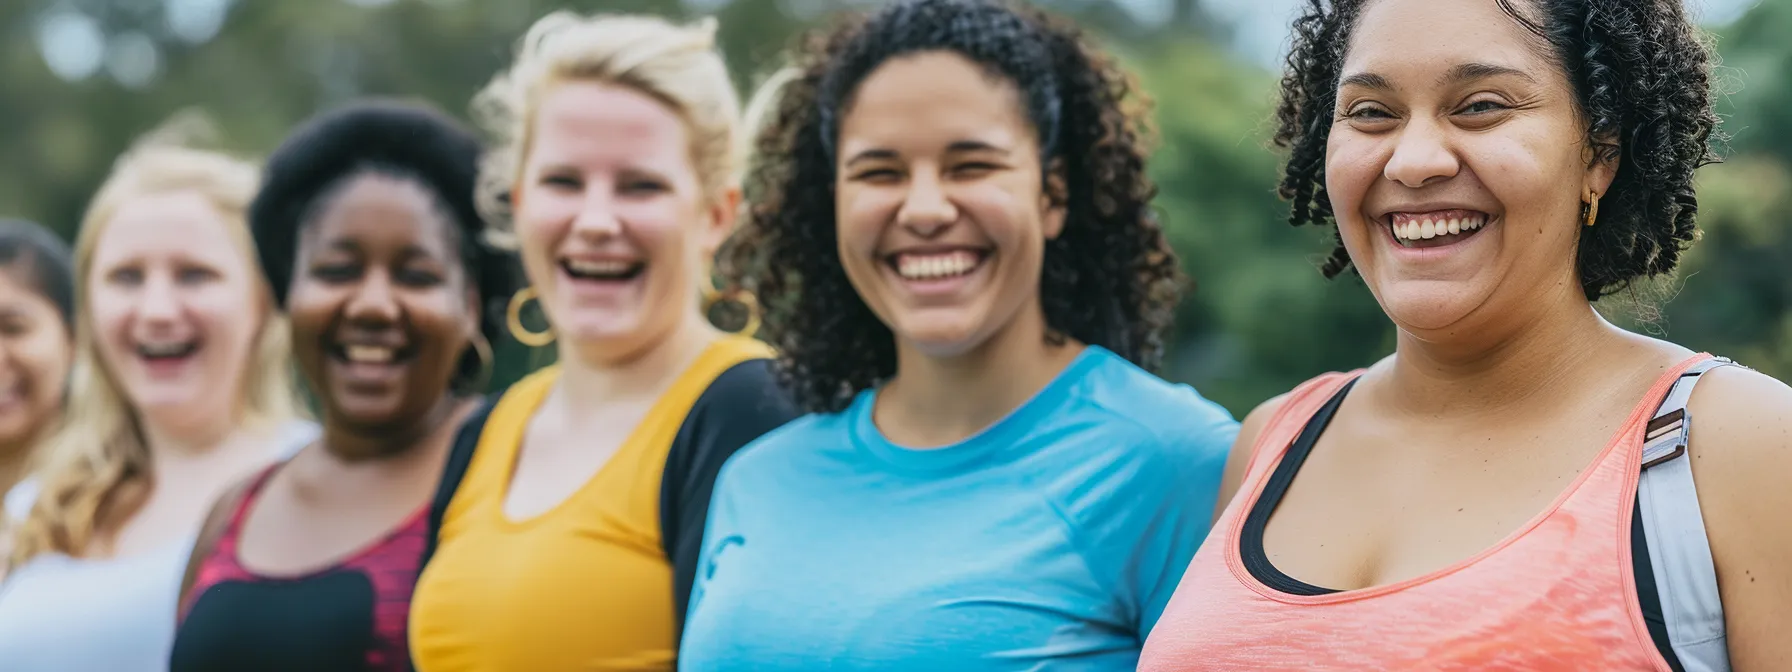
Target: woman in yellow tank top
(574, 507)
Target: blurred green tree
(1259, 318)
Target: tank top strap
(240, 509)
(500, 439)
(1279, 433)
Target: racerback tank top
(1556, 594)
(349, 616)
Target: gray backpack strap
(1679, 553)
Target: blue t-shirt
(1049, 541)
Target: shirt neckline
(978, 448)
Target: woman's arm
(1240, 458)
(1741, 447)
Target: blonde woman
(180, 387)
(569, 517)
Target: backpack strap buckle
(1670, 431)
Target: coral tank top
(1559, 593)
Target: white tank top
(63, 614)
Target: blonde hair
(96, 466)
(677, 65)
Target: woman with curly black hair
(954, 216)
(1514, 487)
(367, 231)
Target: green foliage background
(1259, 321)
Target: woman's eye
(1369, 112)
(876, 175)
(420, 278)
(335, 272)
(1482, 107)
(643, 187)
(194, 276)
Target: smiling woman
(180, 386)
(1514, 487)
(369, 237)
(953, 217)
(37, 340)
(582, 491)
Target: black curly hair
(1641, 78)
(405, 140)
(1110, 279)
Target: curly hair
(404, 140)
(1640, 72)
(1110, 279)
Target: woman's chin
(1428, 311)
(182, 413)
(940, 336)
(16, 430)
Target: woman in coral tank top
(1472, 502)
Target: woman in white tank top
(180, 388)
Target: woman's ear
(1055, 202)
(1602, 158)
(475, 311)
(724, 211)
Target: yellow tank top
(583, 586)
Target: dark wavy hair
(1641, 78)
(404, 140)
(1109, 279)
(42, 262)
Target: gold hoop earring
(487, 361)
(1591, 207)
(514, 320)
(747, 302)
(746, 299)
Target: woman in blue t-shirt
(954, 211)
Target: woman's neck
(939, 401)
(187, 446)
(1561, 341)
(358, 444)
(587, 382)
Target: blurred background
(80, 79)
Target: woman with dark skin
(954, 212)
(367, 228)
(1522, 484)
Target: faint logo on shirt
(715, 554)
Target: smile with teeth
(368, 354)
(606, 269)
(1452, 225)
(936, 265)
(167, 350)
